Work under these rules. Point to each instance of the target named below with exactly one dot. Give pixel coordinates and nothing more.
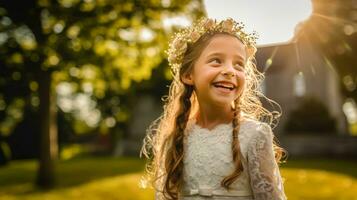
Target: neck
(210, 116)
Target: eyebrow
(221, 54)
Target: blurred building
(294, 71)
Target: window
(299, 85)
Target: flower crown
(182, 39)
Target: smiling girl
(214, 140)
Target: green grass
(320, 179)
(318, 185)
(117, 178)
(82, 178)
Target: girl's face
(218, 74)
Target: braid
(227, 181)
(174, 159)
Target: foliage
(95, 49)
(5, 153)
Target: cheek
(241, 83)
(241, 78)
(206, 74)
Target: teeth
(227, 86)
(230, 86)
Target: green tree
(97, 48)
(331, 29)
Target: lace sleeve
(264, 172)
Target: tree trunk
(48, 135)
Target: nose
(228, 70)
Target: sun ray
(337, 20)
(270, 60)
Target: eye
(215, 61)
(239, 65)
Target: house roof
(274, 57)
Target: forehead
(225, 44)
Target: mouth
(225, 85)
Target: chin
(223, 101)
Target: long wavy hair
(163, 145)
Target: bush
(311, 115)
(5, 153)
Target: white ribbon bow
(208, 192)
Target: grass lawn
(320, 179)
(117, 178)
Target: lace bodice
(208, 159)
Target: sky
(274, 20)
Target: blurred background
(81, 80)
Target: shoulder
(256, 128)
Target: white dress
(208, 159)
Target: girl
(211, 141)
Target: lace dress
(208, 159)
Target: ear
(187, 78)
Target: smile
(224, 85)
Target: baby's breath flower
(172, 58)
(180, 44)
(194, 36)
(182, 39)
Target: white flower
(209, 24)
(227, 25)
(172, 58)
(194, 36)
(180, 44)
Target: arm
(264, 172)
